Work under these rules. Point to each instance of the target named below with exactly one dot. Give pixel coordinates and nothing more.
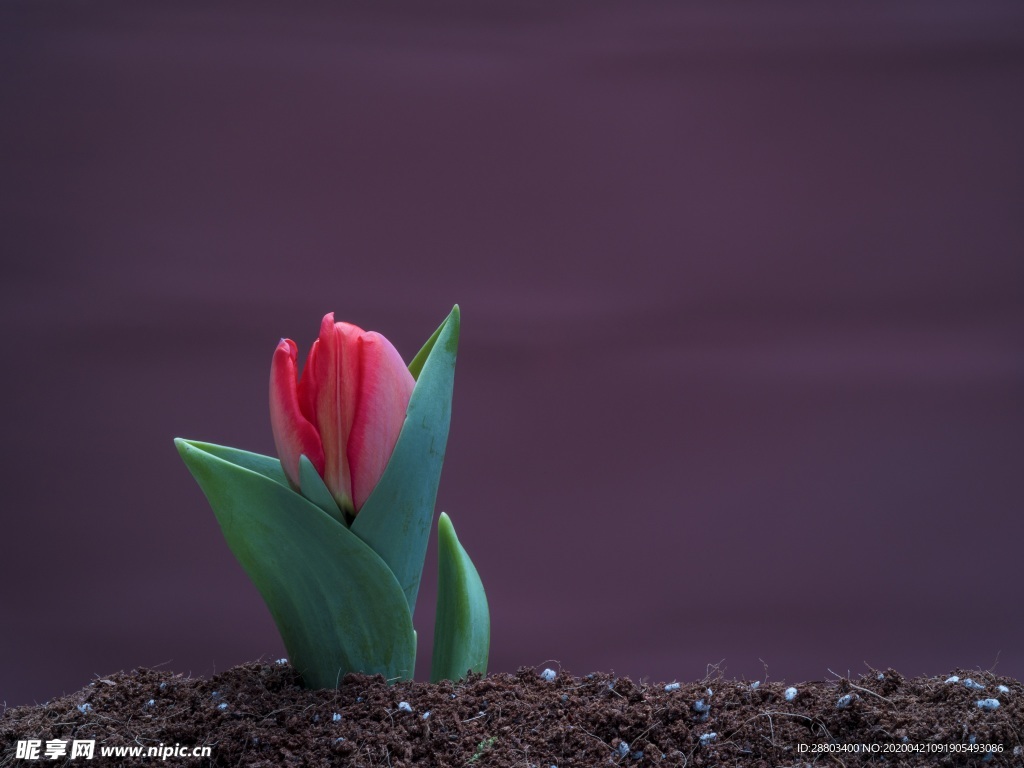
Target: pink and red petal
(336, 373)
(294, 435)
(384, 389)
(346, 411)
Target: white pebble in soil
(968, 683)
(672, 687)
(707, 738)
(952, 679)
(703, 709)
(790, 693)
(549, 675)
(1003, 689)
(404, 706)
(989, 704)
(847, 700)
(623, 749)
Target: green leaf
(336, 604)
(395, 521)
(421, 357)
(267, 466)
(462, 629)
(314, 489)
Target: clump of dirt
(259, 715)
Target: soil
(259, 715)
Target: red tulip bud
(345, 412)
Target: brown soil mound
(258, 715)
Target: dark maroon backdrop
(742, 371)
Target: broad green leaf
(395, 521)
(416, 365)
(268, 466)
(336, 603)
(314, 489)
(462, 628)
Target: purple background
(741, 377)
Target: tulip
(342, 588)
(344, 414)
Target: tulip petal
(307, 384)
(294, 435)
(384, 388)
(331, 392)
